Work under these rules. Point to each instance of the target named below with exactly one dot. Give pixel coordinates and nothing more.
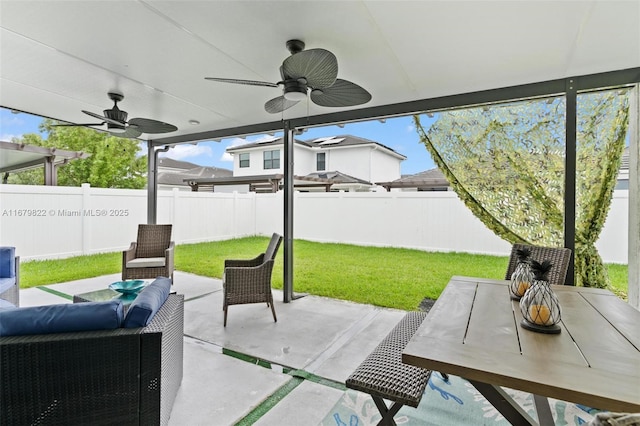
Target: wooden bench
(383, 375)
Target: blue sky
(396, 133)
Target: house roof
(329, 142)
(341, 141)
(263, 143)
(338, 177)
(428, 179)
(186, 171)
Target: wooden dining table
(473, 331)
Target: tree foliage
(113, 163)
(506, 162)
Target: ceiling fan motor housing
(295, 90)
(118, 115)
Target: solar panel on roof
(332, 141)
(267, 139)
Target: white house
(350, 162)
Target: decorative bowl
(127, 287)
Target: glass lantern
(523, 275)
(521, 280)
(540, 308)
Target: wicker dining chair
(558, 256)
(151, 255)
(249, 281)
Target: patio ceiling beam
(511, 93)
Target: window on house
(272, 159)
(321, 161)
(244, 160)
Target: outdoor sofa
(126, 376)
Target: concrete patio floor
(286, 372)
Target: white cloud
(233, 142)
(411, 128)
(226, 157)
(8, 137)
(185, 151)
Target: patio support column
(288, 212)
(152, 182)
(49, 171)
(634, 199)
(570, 175)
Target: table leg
(502, 402)
(543, 409)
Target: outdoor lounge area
(257, 371)
(182, 72)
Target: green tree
(506, 162)
(113, 163)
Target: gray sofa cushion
(147, 303)
(146, 262)
(61, 318)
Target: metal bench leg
(386, 412)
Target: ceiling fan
(310, 72)
(117, 124)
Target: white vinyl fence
(53, 222)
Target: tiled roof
(428, 179)
(189, 170)
(325, 142)
(338, 177)
(274, 142)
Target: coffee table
(106, 295)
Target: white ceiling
(60, 57)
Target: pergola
(261, 183)
(59, 58)
(19, 157)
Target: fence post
(86, 218)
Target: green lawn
(390, 277)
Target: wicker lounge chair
(9, 275)
(559, 257)
(151, 255)
(249, 281)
